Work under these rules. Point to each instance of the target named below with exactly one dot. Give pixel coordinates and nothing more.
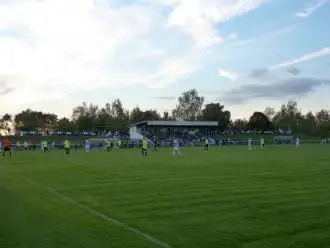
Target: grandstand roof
(178, 123)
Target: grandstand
(166, 130)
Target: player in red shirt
(6, 147)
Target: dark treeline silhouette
(190, 107)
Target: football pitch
(228, 197)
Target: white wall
(134, 133)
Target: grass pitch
(227, 197)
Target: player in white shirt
(26, 145)
(176, 147)
(250, 144)
(87, 146)
(297, 142)
(262, 142)
(323, 140)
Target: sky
(245, 54)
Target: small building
(283, 139)
(166, 129)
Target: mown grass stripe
(103, 216)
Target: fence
(136, 144)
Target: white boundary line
(103, 216)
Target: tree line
(190, 107)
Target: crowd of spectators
(196, 137)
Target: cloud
(265, 73)
(233, 76)
(167, 98)
(321, 53)
(268, 35)
(59, 47)
(68, 45)
(310, 8)
(4, 87)
(244, 42)
(198, 18)
(257, 73)
(168, 72)
(293, 87)
(293, 70)
(6, 91)
(72, 46)
(233, 36)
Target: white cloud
(198, 18)
(66, 44)
(228, 74)
(311, 7)
(264, 73)
(323, 52)
(268, 35)
(168, 72)
(233, 36)
(137, 50)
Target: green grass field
(228, 197)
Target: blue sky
(246, 54)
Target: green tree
(259, 121)
(105, 119)
(136, 115)
(29, 120)
(189, 107)
(151, 115)
(240, 124)
(85, 116)
(49, 121)
(270, 113)
(6, 124)
(119, 115)
(323, 122)
(324, 129)
(323, 116)
(166, 116)
(216, 112)
(307, 124)
(65, 125)
(288, 117)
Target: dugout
(283, 139)
(167, 129)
